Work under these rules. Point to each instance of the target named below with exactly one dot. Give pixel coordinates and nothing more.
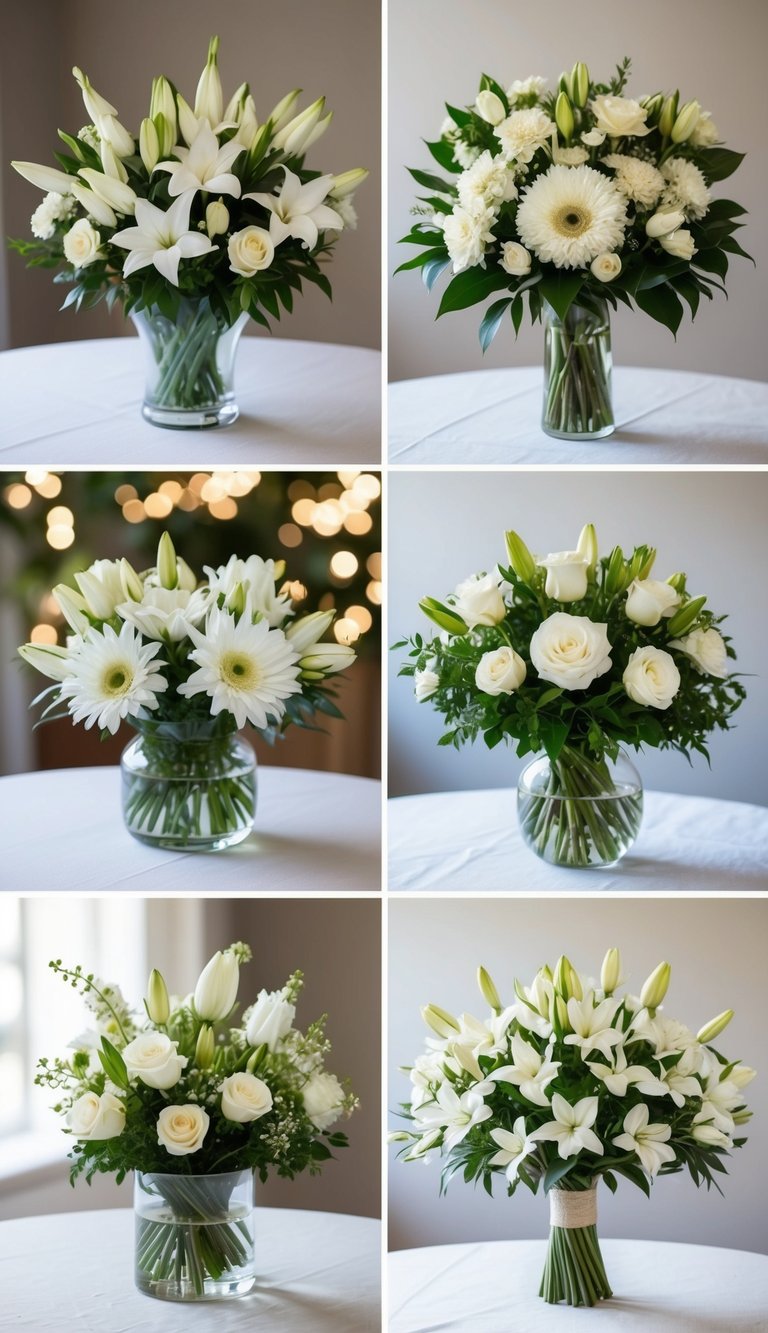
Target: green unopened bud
(610, 971)
(162, 110)
(520, 558)
(546, 972)
(564, 115)
(648, 560)
(742, 1117)
(714, 1027)
(443, 616)
(668, 114)
(560, 1014)
(615, 577)
(574, 985)
(398, 1136)
(687, 616)
(130, 582)
(655, 988)
(579, 84)
(235, 602)
(653, 106)
(442, 1023)
(205, 1047)
(255, 1059)
(487, 989)
(158, 1004)
(587, 548)
(686, 121)
(562, 977)
(167, 568)
(149, 144)
(677, 581)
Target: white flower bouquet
(187, 663)
(570, 1084)
(196, 1100)
(577, 655)
(205, 218)
(576, 199)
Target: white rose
(244, 1098)
(606, 267)
(663, 222)
(154, 1058)
(651, 677)
(490, 106)
(323, 1099)
(501, 671)
(515, 259)
(706, 649)
(479, 600)
(706, 132)
(81, 244)
(216, 989)
(181, 1129)
(593, 138)
(619, 116)
(571, 651)
(425, 683)
(250, 251)
(270, 1019)
(648, 600)
(566, 575)
(96, 1118)
(679, 244)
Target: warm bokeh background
(325, 525)
(714, 52)
(332, 50)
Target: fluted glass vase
(190, 365)
(577, 372)
(580, 811)
(194, 1235)
(574, 1271)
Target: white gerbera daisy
(112, 677)
(248, 670)
(686, 187)
(467, 235)
(640, 181)
(524, 132)
(570, 215)
(487, 183)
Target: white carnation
(686, 187)
(524, 132)
(465, 154)
(523, 89)
(638, 180)
(54, 208)
(486, 184)
(467, 235)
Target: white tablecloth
(662, 416)
(658, 1288)
(455, 841)
(80, 402)
(63, 829)
(73, 1273)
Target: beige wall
(716, 948)
(332, 49)
(710, 50)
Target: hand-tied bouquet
(210, 218)
(195, 1101)
(569, 1084)
(576, 655)
(187, 663)
(572, 199)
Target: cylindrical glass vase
(574, 1271)
(190, 365)
(580, 811)
(187, 787)
(577, 372)
(194, 1235)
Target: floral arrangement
(189, 1090)
(186, 662)
(571, 1084)
(575, 655)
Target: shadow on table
(744, 453)
(659, 1316)
(291, 1309)
(306, 855)
(712, 878)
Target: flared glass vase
(580, 811)
(574, 1273)
(577, 372)
(194, 1235)
(189, 365)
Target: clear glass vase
(574, 1272)
(188, 786)
(580, 811)
(577, 372)
(194, 1235)
(190, 365)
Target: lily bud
(96, 105)
(587, 547)
(564, 115)
(347, 182)
(99, 602)
(209, 99)
(490, 107)
(664, 222)
(234, 109)
(487, 989)
(49, 659)
(187, 578)
(685, 617)
(45, 178)
(742, 1117)
(562, 977)
(93, 205)
(256, 1057)
(677, 581)
(579, 84)
(443, 616)
(686, 121)
(205, 1047)
(132, 586)
(714, 1027)
(520, 558)
(166, 562)
(248, 128)
(187, 120)
(442, 1023)
(560, 1014)
(655, 988)
(328, 658)
(111, 163)
(575, 985)
(610, 972)
(293, 136)
(398, 1136)
(316, 133)
(304, 633)
(149, 144)
(216, 989)
(163, 103)
(653, 107)
(114, 192)
(615, 575)
(648, 562)
(216, 218)
(235, 602)
(281, 114)
(668, 114)
(158, 1004)
(72, 607)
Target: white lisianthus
(523, 133)
(479, 600)
(567, 573)
(181, 1129)
(94, 1118)
(244, 1098)
(490, 107)
(663, 222)
(269, 1020)
(620, 117)
(515, 259)
(648, 600)
(501, 671)
(706, 649)
(571, 651)
(425, 683)
(486, 184)
(82, 244)
(154, 1058)
(606, 267)
(651, 677)
(250, 251)
(216, 989)
(679, 244)
(323, 1099)
(467, 235)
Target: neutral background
(337, 945)
(434, 949)
(437, 52)
(444, 527)
(331, 49)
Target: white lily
(104, 116)
(530, 1072)
(677, 1082)
(618, 1076)
(721, 1097)
(204, 165)
(116, 193)
(420, 1149)
(705, 1131)
(294, 137)
(281, 114)
(649, 1142)
(49, 179)
(51, 660)
(93, 205)
(299, 209)
(514, 1148)
(162, 239)
(111, 164)
(456, 1114)
(571, 1128)
(591, 1025)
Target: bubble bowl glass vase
(190, 365)
(580, 811)
(188, 786)
(577, 372)
(194, 1235)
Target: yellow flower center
(571, 220)
(117, 679)
(240, 673)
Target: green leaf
(460, 118)
(663, 305)
(113, 1064)
(442, 152)
(719, 163)
(431, 182)
(689, 290)
(422, 236)
(517, 311)
(711, 261)
(733, 248)
(489, 326)
(561, 290)
(554, 734)
(432, 270)
(556, 1171)
(724, 208)
(435, 252)
(469, 287)
(487, 82)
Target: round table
(62, 829)
(319, 1272)
(658, 1287)
(662, 417)
(470, 840)
(80, 403)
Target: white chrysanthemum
(524, 132)
(467, 235)
(525, 88)
(112, 677)
(347, 212)
(54, 208)
(570, 215)
(248, 670)
(465, 154)
(706, 132)
(640, 181)
(166, 613)
(686, 187)
(487, 183)
(257, 578)
(568, 157)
